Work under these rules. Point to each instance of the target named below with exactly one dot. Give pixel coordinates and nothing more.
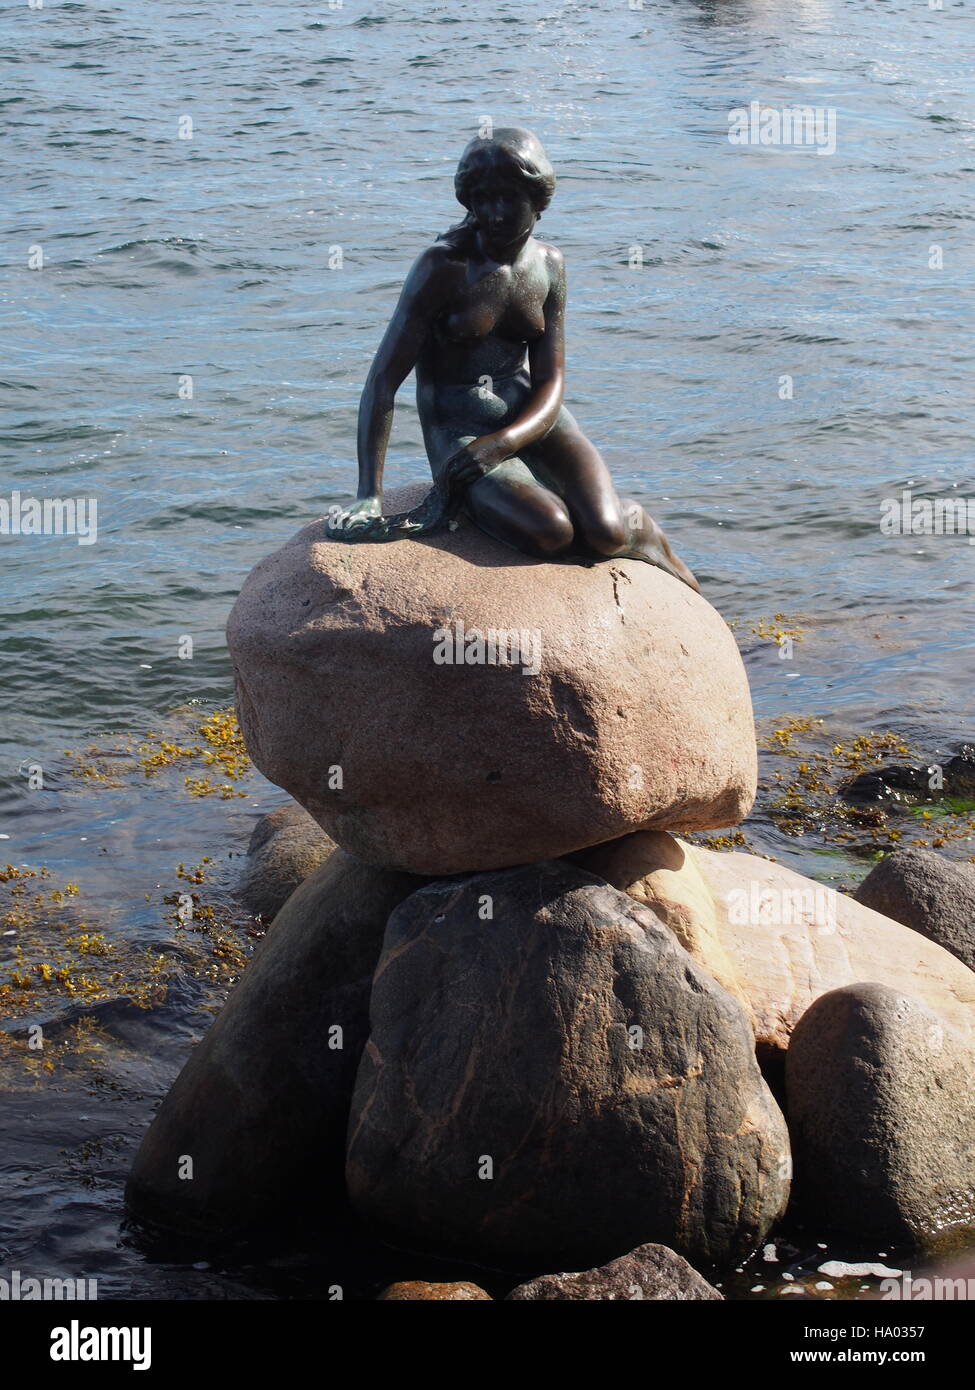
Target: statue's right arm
(419, 304)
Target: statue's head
(510, 153)
(505, 182)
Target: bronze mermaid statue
(481, 319)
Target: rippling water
(209, 263)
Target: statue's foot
(654, 547)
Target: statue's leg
(568, 463)
(510, 504)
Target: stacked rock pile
(512, 1018)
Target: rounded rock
(446, 704)
(418, 1291)
(550, 1079)
(285, 846)
(928, 893)
(881, 1109)
(650, 1272)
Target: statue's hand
(474, 460)
(350, 518)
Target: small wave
(222, 513)
(184, 243)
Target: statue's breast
(470, 324)
(474, 322)
(504, 303)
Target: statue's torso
(490, 318)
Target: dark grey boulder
(550, 1079)
(881, 1106)
(252, 1134)
(650, 1271)
(285, 847)
(931, 894)
(916, 783)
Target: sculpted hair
(516, 152)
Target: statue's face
(503, 209)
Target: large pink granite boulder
(363, 691)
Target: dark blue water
(167, 258)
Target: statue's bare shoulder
(554, 263)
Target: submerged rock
(650, 1271)
(550, 1078)
(448, 704)
(251, 1137)
(928, 893)
(881, 1107)
(285, 847)
(903, 782)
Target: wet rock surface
(923, 782)
(285, 847)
